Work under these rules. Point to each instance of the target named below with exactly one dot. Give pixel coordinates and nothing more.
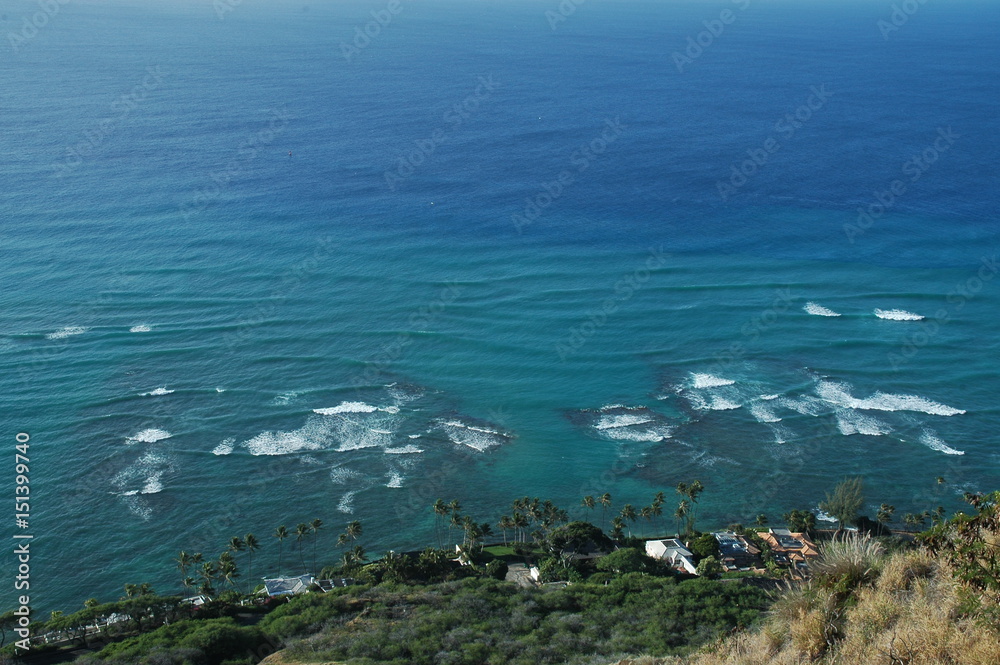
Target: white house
(672, 551)
(286, 586)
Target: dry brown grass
(907, 611)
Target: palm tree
(605, 501)
(761, 520)
(354, 528)
(657, 508)
(280, 533)
(617, 524)
(441, 510)
(588, 502)
(252, 546)
(314, 526)
(235, 544)
(301, 531)
(520, 524)
(646, 513)
(183, 562)
(207, 574)
(227, 570)
(884, 514)
(682, 511)
(505, 523)
(628, 514)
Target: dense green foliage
(485, 621)
(191, 641)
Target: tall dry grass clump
(864, 607)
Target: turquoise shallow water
(181, 302)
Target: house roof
(793, 544)
(283, 586)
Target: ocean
(271, 262)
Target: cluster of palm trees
(473, 532)
(207, 574)
(627, 515)
(688, 506)
(528, 512)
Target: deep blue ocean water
(208, 236)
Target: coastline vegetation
(599, 597)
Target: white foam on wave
(148, 436)
(824, 517)
(818, 310)
(651, 434)
(158, 391)
(807, 405)
(702, 381)
(220, 390)
(347, 407)
(224, 448)
(68, 331)
(851, 422)
(839, 394)
(611, 421)
(932, 441)
(403, 450)
(153, 485)
(346, 504)
(283, 443)
(141, 328)
(475, 437)
(897, 315)
(285, 398)
(720, 403)
(414, 436)
(763, 413)
(395, 480)
(768, 398)
(144, 476)
(340, 475)
(781, 433)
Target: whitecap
(403, 450)
(818, 310)
(475, 437)
(839, 395)
(224, 448)
(285, 398)
(220, 390)
(763, 413)
(347, 407)
(611, 421)
(931, 440)
(153, 485)
(346, 504)
(339, 475)
(805, 404)
(395, 480)
(158, 391)
(851, 422)
(720, 403)
(768, 398)
(67, 332)
(141, 328)
(414, 436)
(897, 315)
(824, 517)
(148, 436)
(702, 381)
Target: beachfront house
(673, 552)
(288, 586)
(790, 548)
(736, 553)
